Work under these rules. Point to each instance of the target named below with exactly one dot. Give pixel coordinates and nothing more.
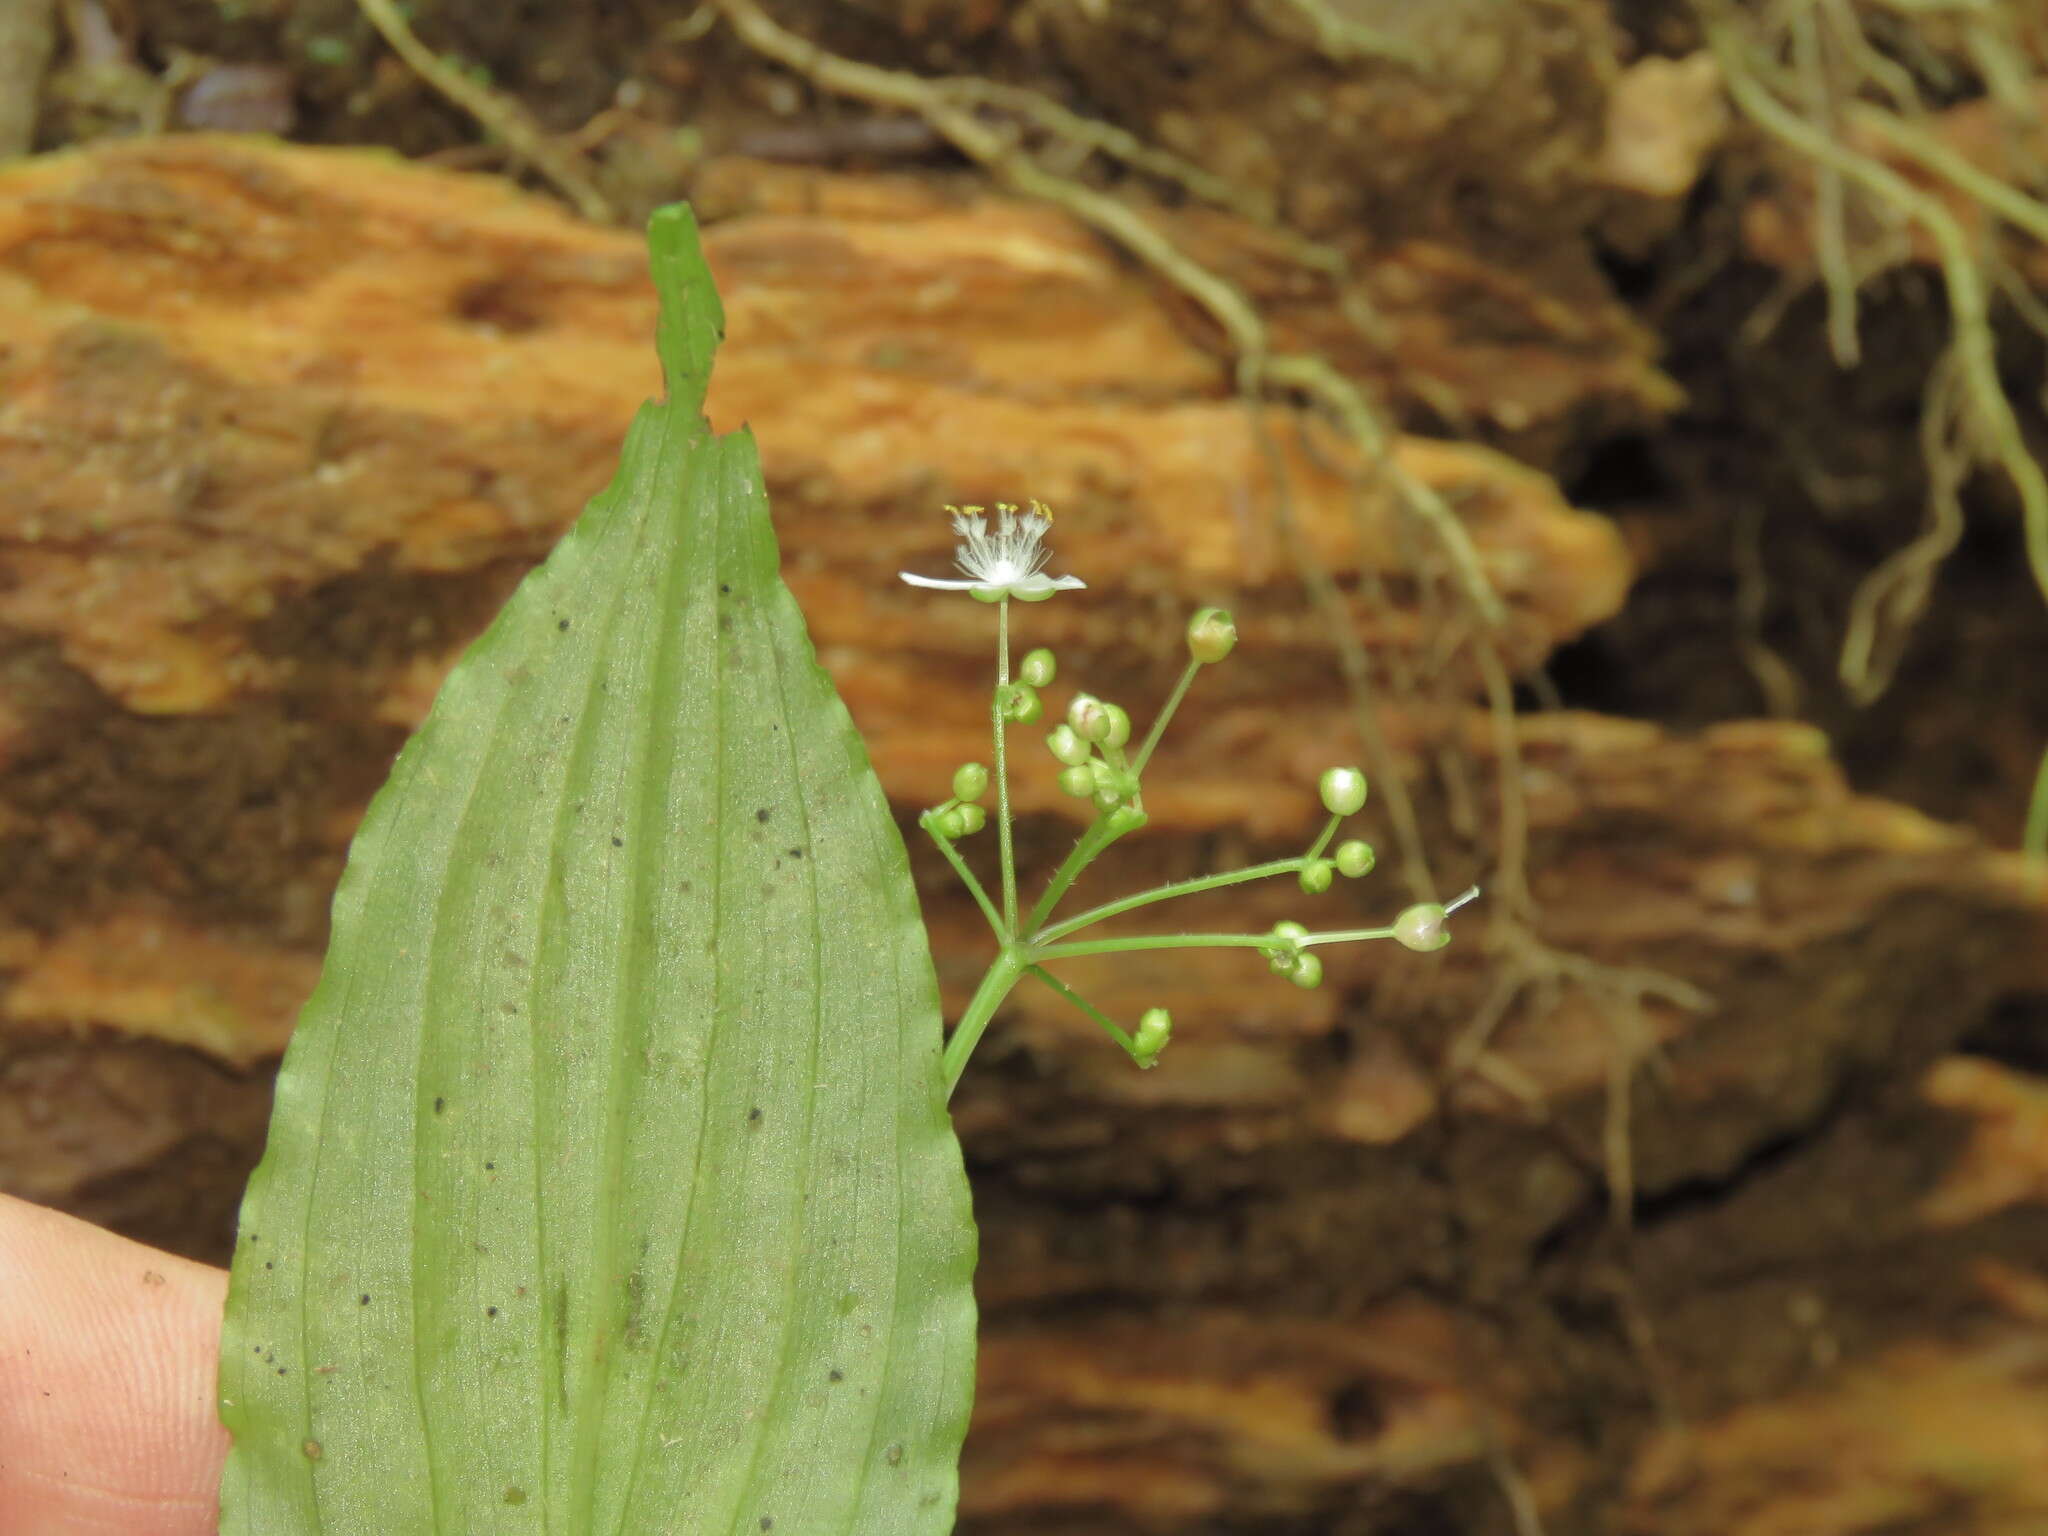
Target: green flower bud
(1038, 667)
(1316, 877)
(1211, 635)
(1078, 782)
(1343, 791)
(1354, 858)
(1067, 747)
(1126, 818)
(972, 818)
(1307, 971)
(1284, 945)
(1104, 776)
(1107, 799)
(1421, 927)
(970, 781)
(1155, 1028)
(1020, 703)
(1119, 730)
(1089, 717)
(949, 824)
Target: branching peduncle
(1090, 744)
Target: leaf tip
(692, 321)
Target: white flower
(1007, 563)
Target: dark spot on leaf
(490, 1167)
(724, 587)
(796, 853)
(514, 959)
(252, 1237)
(364, 1298)
(762, 814)
(893, 1455)
(767, 1522)
(835, 1376)
(754, 1115)
(618, 842)
(515, 1495)
(267, 1264)
(312, 1449)
(439, 1105)
(562, 624)
(280, 1370)
(490, 1311)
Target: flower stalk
(1090, 748)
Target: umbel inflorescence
(1098, 763)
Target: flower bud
(1155, 1028)
(970, 781)
(1307, 970)
(1126, 818)
(1089, 717)
(1354, 858)
(1283, 946)
(1316, 877)
(1038, 667)
(972, 818)
(1020, 703)
(1211, 635)
(1077, 781)
(1067, 747)
(1343, 790)
(949, 824)
(1119, 730)
(1421, 927)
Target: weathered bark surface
(278, 429)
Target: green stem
(1002, 975)
(1347, 936)
(1180, 691)
(988, 909)
(1157, 941)
(1192, 887)
(1092, 842)
(1110, 1025)
(1316, 849)
(1001, 729)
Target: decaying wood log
(278, 430)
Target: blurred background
(1616, 423)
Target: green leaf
(610, 1186)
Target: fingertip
(108, 1355)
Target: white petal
(1038, 581)
(945, 586)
